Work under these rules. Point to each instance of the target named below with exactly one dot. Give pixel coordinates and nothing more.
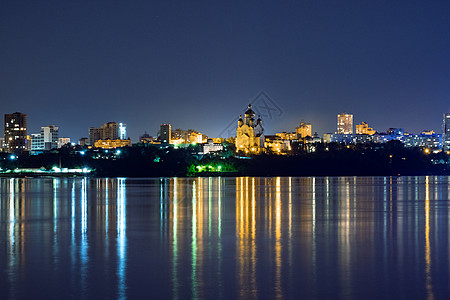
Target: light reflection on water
(324, 237)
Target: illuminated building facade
(108, 131)
(303, 130)
(110, 144)
(122, 131)
(287, 135)
(276, 144)
(146, 139)
(432, 141)
(446, 132)
(63, 141)
(210, 146)
(364, 128)
(196, 137)
(46, 140)
(250, 134)
(181, 136)
(344, 123)
(15, 132)
(165, 133)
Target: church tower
(250, 134)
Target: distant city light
(12, 157)
(122, 131)
(82, 152)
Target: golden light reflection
(245, 235)
(278, 288)
(275, 231)
(429, 286)
(344, 240)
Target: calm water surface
(178, 238)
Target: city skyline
(155, 132)
(146, 64)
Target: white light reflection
(12, 240)
(73, 245)
(175, 240)
(121, 238)
(84, 242)
(55, 222)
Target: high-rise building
(303, 130)
(344, 123)
(108, 131)
(165, 133)
(446, 132)
(46, 140)
(122, 131)
(16, 132)
(364, 128)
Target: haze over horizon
(198, 64)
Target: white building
(63, 141)
(46, 140)
(210, 146)
(446, 132)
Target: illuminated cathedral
(250, 133)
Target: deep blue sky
(196, 64)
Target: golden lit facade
(287, 135)
(303, 130)
(345, 123)
(110, 144)
(276, 144)
(249, 134)
(196, 137)
(364, 128)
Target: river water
(179, 238)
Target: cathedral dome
(250, 111)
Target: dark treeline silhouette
(333, 159)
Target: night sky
(197, 64)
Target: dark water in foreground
(325, 238)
